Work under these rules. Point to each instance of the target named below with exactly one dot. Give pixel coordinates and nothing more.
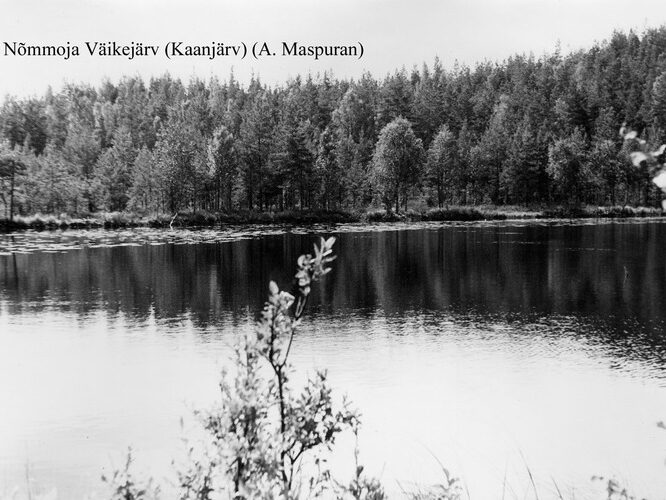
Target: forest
(529, 131)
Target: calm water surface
(492, 348)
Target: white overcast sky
(394, 33)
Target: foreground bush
(267, 438)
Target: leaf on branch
(638, 157)
(287, 297)
(303, 279)
(660, 180)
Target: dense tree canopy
(441, 162)
(526, 130)
(397, 162)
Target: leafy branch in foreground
(643, 156)
(654, 164)
(265, 438)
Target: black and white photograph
(332, 249)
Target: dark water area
(556, 310)
(610, 274)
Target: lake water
(501, 350)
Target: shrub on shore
(616, 211)
(117, 220)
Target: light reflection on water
(464, 343)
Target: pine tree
(568, 167)
(114, 169)
(441, 162)
(147, 193)
(223, 167)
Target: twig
(559, 493)
(529, 473)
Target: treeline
(525, 131)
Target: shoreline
(120, 220)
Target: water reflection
(476, 342)
(611, 274)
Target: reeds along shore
(117, 220)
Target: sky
(393, 33)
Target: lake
(504, 350)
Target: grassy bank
(117, 220)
